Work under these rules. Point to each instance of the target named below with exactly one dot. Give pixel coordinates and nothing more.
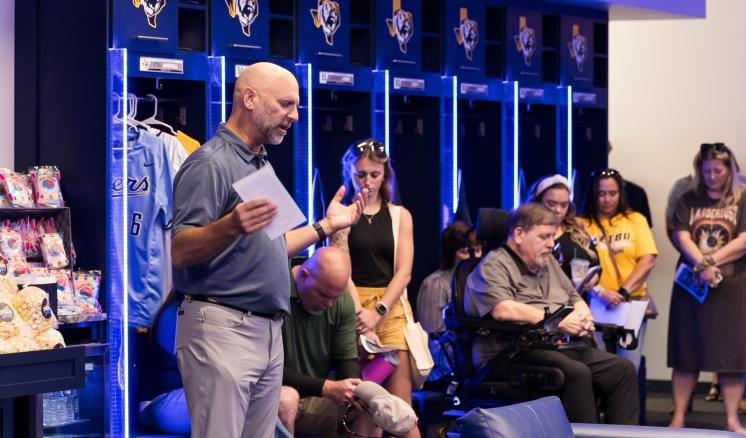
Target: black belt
(207, 299)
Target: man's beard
(542, 260)
(316, 312)
(266, 128)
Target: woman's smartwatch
(382, 308)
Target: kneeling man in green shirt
(319, 341)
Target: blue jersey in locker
(149, 214)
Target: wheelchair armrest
(611, 333)
(465, 323)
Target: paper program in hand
(264, 184)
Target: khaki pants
(231, 367)
(318, 416)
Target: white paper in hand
(264, 184)
(627, 314)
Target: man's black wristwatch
(319, 230)
(381, 308)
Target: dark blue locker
(146, 25)
(240, 28)
(398, 34)
(463, 34)
(523, 45)
(576, 54)
(324, 29)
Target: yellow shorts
(390, 328)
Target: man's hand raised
(340, 216)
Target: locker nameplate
(409, 84)
(337, 78)
(584, 98)
(238, 69)
(471, 88)
(535, 93)
(161, 65)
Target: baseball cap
(389, 412)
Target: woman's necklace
(369, 218)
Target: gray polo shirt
(251, 273)
(502, 276)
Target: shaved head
(332, 265)
(322, 279)
(262, 76)
(265, 105)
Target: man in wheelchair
(521, 282)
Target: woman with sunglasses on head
(624, 244)
(709, 229)
(381, 249)
(575, 245)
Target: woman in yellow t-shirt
(624, 243)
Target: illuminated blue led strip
(454, 146)
(569, 134)
(125, 249)
(222, 89)
(309, 149)
(386, 122)
(516, 186)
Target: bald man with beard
(236, 280)
(319, 336)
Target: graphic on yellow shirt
(627, 238)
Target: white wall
(7, 39)
(673, 85)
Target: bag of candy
(4, 202)
(46, 181)
(65, 293)
(17, 188)
(86, 289)
(53, 251)
(18, 267)
(11, 243)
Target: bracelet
(706, 262)
(625, 293)
(319, 230)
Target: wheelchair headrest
(458, 284)
(492, 226)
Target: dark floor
(704, 415)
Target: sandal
(714, 393)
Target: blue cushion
(542, 418)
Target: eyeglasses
(606, 173)
(717, 147)
(345, 424)
(374, 146)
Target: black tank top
(371, 247)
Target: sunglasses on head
(375, 146)
(717, 147)
(605, 173)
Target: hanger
(131, 121)
(117, 116)
(153, 121)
